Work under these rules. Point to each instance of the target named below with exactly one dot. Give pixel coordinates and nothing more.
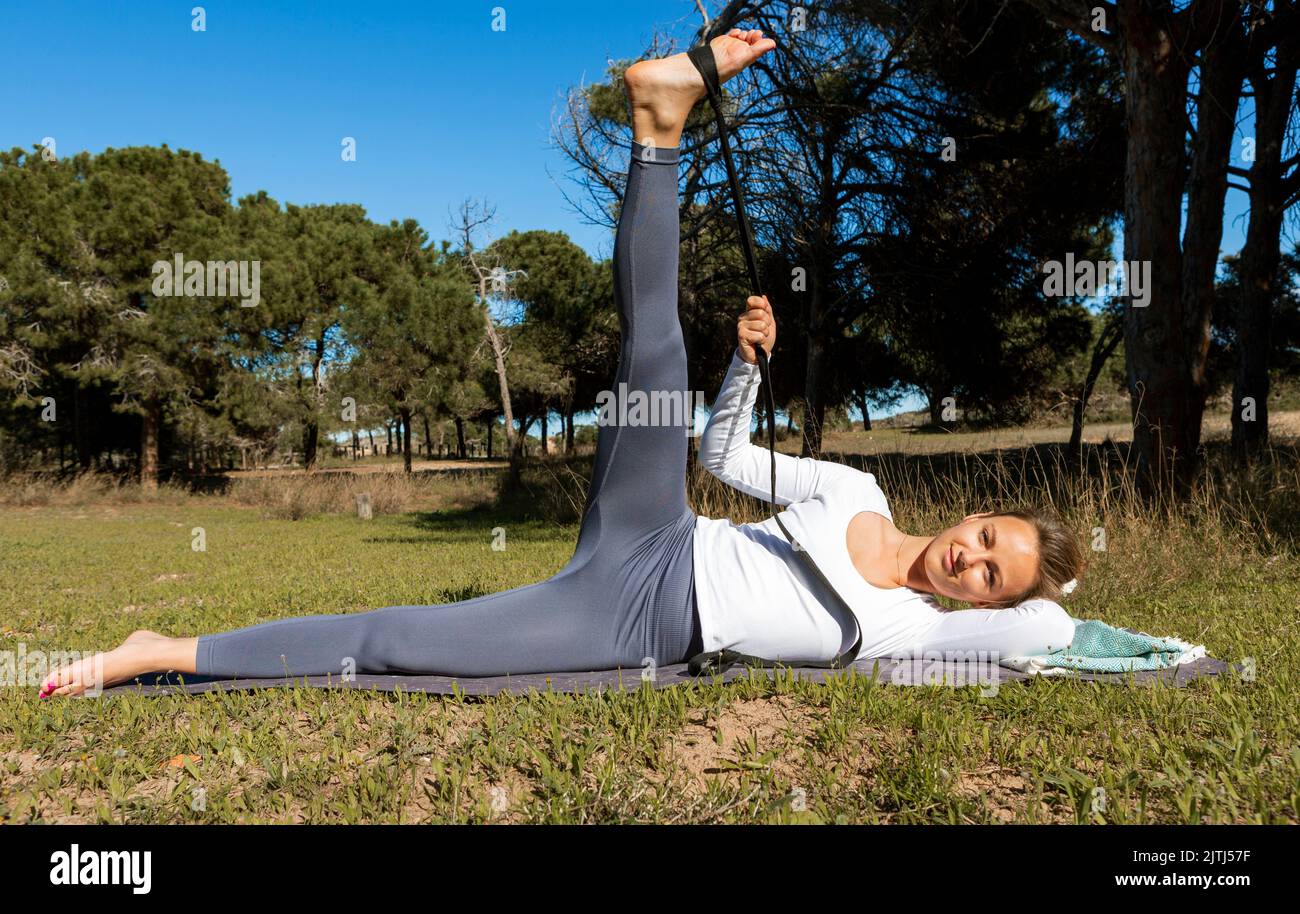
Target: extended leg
(557, 624)
(639, 479)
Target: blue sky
(442, 106)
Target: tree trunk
(568, 432)
(311, 425)
(521, 439)
(406, 446)
(814, 408)
(491, 423)
(149, 446)
(1107, 340)
(936, 409)
(1166, 417)
(499, 356)
(310, 442)
(460, 437)
(866, 414)
(1167, 341)
(428, 439)
(542, 418)
(80, 413)
(1260, 258)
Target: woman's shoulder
(850, 492)
(868, 496)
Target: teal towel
(1101, 648)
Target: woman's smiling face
(985, 559)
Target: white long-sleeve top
(755, 596)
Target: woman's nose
(973, 556)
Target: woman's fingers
(757, 326)
(759, 309)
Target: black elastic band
(719, 661)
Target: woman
(649, 581)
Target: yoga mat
(892, 672)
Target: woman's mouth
(948, 561)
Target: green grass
(83, 576)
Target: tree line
(911, 168)
(912, 164)
(129, 321)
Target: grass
(83, 568)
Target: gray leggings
(627, 597)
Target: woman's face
(984, 559)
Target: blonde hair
(1060, 556)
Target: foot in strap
(663, 91)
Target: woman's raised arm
(725, 448)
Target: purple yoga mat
(890, 672)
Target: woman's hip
(648, 584)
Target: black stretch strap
(719, 661)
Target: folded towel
(1101, 648)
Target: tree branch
(1075, 17)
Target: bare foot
(663, 91)
(135, 655)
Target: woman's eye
(984, 537)
(989, 577)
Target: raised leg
(638, 481)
